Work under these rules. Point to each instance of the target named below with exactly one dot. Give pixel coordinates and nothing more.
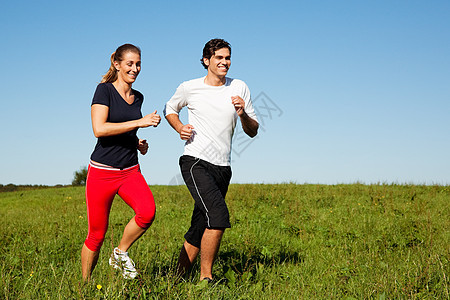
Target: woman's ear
(116, 65)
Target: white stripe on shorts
(201, 199)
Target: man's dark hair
(211, 47)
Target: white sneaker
(120, 260)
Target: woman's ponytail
(111, 75)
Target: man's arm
(249, 125)
(185, 131)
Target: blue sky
(347, 91)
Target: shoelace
(125, 260)
(128, 263)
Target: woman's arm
(99, 115)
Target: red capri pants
(101, 187)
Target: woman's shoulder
(104, 88)
(104, 85)
(102, 93)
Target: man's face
(219, 63)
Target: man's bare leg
(187, 256)
(209, 249)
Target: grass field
(287, 242)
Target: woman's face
(129, 67)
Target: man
(214, 104)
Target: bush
(79, 177)
(8, 188)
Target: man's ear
(206, 61)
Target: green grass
(287, 241)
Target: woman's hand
(152, 119)
(142, 146)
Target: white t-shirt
(213, 116)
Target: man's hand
(142, 146)
(186, 132)
(239, 105)
(249, 125)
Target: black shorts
(208, 185)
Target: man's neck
(215, 80)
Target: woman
(114, 169)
